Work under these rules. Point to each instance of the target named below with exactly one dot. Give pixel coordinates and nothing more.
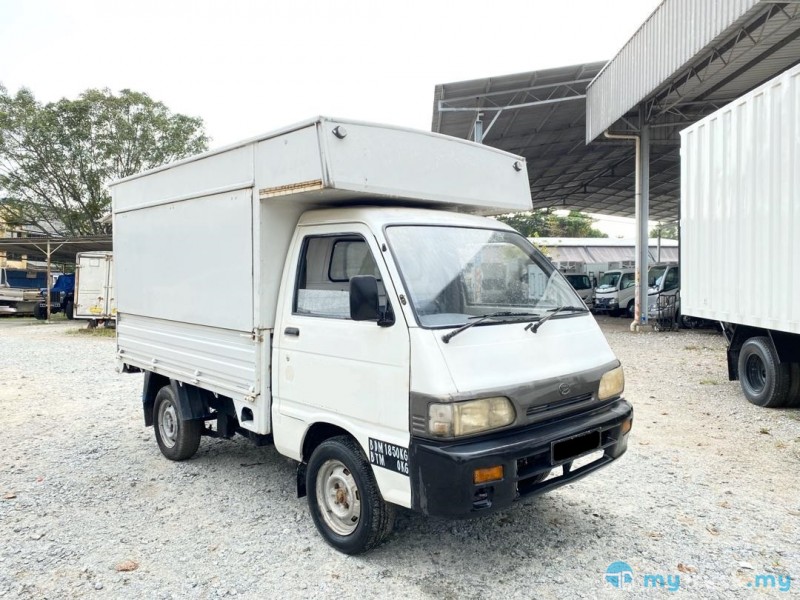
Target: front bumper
(442, 472)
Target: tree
(546, 223)
(668, 232)
(56, 159)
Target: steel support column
(642, 234)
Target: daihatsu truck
(377, 328)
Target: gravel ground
(88, 507)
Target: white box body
(740, 210)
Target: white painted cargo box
(94, 286)
(200, 244)
(740, 210)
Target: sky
(247, 67)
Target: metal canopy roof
(688, 59)
(61, 249)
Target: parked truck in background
(94, 287)
(740, 217)
(582, 284)
(614, 292)
(663, 295)
(19, 290)
(350, 312)
(62, 298)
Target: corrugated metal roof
(691, 51)
(542, 115)
(689, 58)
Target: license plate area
(563, 450)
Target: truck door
(331, 369)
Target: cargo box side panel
(212, 174)
(398, 163)
(188, 261)
(740, 210)
(219, 360)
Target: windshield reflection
(453, 274)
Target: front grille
(539, 408)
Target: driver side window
(327, 263)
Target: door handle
(291, 331)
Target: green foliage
(56, 159)
(546, 223)
(668, 232)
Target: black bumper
(442, 472)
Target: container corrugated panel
(672, 36)
(740, 209)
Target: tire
(177, 439)
(40, 312)
(337, 474)
(765, 382)
(631, 309)
(69, 309)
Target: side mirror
(364, 298)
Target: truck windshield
(609, 279)
(453, 274)
(654, 276)
(579, 282)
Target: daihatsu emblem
(564, 389)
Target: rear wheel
(177, 439)
(344, 500)
(765, 381)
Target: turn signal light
(626, 426)
(487, 474)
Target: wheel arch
(314, 436)
(787, 346)
(192, 402)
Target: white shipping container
(740, 210)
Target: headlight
(613, 303)
(463, 418)
(611, 384)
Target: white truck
(614, 293)
(360, 333)
(94, 287)
(740, 217)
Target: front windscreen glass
(579, 282)
(609, 280)
(654, 276)
(453, 274)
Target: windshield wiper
(534, 327)
(480, 319)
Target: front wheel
(765, 381)
(177, 439)
(69, 309)
(344, 500)
(40, 312)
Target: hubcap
(338, 497)
(756, 373)
(168, 424)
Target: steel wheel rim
(168, 424)
(756, 373)
(338, 497)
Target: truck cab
(663, 292)
(615, 293)
(582, 284)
